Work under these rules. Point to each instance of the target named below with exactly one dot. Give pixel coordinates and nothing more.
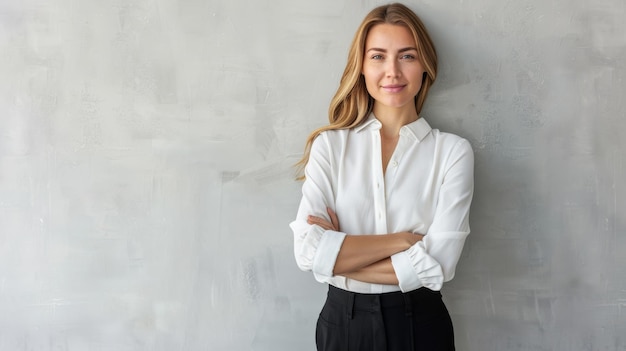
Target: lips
(393, 88)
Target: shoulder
(453, 147)
(332, 137)
(451, 142)
(328, 141)
(335, 133)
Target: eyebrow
(385, 50)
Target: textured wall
(145, 180)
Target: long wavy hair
(352, 103)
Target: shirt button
(377, 185)
(394, 163)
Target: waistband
(385, 300)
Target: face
(393, 73)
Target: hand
(411, 238)
(326, 225)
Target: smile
(394, 88)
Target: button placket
(380, 208)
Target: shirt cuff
(415, 268)
(326, 254)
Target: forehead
(386, 36)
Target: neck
(393, 118)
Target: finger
(330, 212)
(319, 221)
(315, 219)
(333, 218)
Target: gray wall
(146, 182)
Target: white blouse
(427, 189)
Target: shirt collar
(371, 123)
(416, 130)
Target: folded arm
(380, 272)
(365, 255)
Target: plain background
(146, 183)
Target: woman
(384, 212)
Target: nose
(393, 68)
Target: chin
(396, 104)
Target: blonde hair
(352, 103)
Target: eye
(377, 57)
(407, 57)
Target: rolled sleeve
(317, 249)
(326, 254)
(414, 269)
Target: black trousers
(417, 320)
